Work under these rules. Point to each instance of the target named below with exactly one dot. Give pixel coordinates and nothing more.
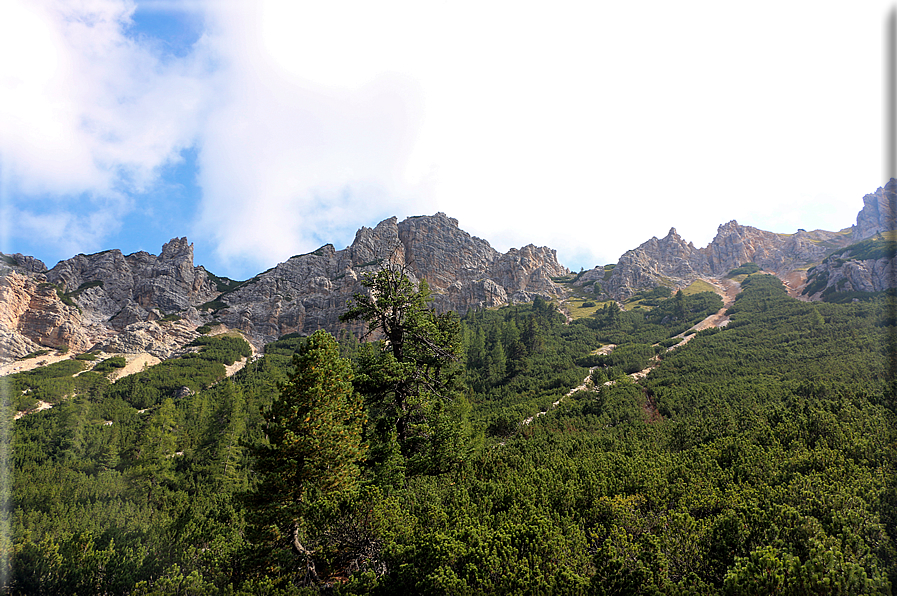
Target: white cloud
(588, 127)
(71, 233)
(86, 113)
(287, 162)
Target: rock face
(878, 213)
(161, 340)
(310, 292)
(866, 266)
(32, 313)
(836, 275)
(85, 301)
(672, 262)
(21, 263)
(109, 283)
(146, 303)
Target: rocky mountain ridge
(308, 292)
(673, 262)
(146, 303)
(154, 304)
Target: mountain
(104, 300)
(146, 303)
(675, 263)
(309, 292)
(689, 447)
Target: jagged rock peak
(878, 213)
(20, 262)
(177, 248)
(310, 291)
(451, 220)
(121, 299)
(730, 226)
(437, 250)
(377, 244)
(108, 282)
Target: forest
(447, 455)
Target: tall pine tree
(313, 450)
(411, 381)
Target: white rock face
(878, 213)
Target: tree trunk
(311, 574)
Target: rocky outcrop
(735, 245)
(84, 301)
(527, 272)
(162, 340)
(153, 304)
(874, 275)
(15, 345)
(310, 292)
(672, 262)
(437, 250)
(33, 309)
(878, 213)
(21, 263)
(108, 282)
(666, 261)
(868, 266)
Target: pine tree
(314, 446)
(409, 379)
(231, 425)
(154, 465)
(680, 305)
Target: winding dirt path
(726, 288)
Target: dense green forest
(758, 458)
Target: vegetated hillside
(758, 458)
(855, 272)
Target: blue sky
(263, 130)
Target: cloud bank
(87, 116)
(588, 127)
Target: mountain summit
(675, 263)
(155, 304)
(146, 303)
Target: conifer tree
(314, 446)
(154, 465)
(409, 380)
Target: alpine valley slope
(154, 304)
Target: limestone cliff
(672, 262)
(146, 303)
(89, 300)
(33, 314)
(878, 213)
(110, 285)
(866, 266)
(310, 291)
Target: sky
(264, 129)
